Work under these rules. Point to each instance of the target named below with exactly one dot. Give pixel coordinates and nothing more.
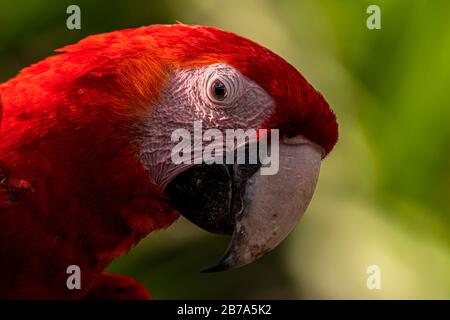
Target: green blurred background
(383, 197)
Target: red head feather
(143, 54)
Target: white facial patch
(189, 97)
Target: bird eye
(222, 86)
(218, 90)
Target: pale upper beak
(278, 202)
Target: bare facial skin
(188, 98)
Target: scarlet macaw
(85, 145)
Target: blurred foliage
(384, 193)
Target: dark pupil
(219, 90)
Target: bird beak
(279, 202)
(271, 208)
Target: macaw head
(180, 92)
(222, 83)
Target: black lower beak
(212, 195)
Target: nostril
(299, 140)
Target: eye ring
(218, 90)
(222, 86)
